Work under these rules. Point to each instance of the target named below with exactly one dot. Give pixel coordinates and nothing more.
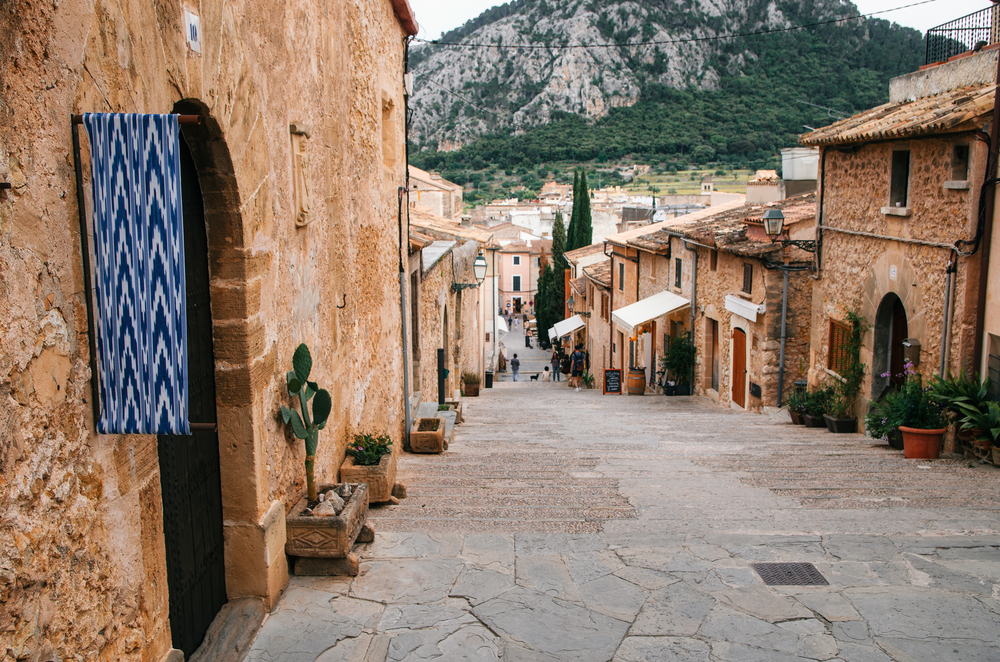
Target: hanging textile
(139, 279)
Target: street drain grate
(789, 574)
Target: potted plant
(984, 422)
(955, 394)
(313, 532)
(840, 405)
(370, 461)
(588, 380)
(884, 418)
(471, 381)
(816, 405)
(796, 403)
(679, 360)
(921, 421)
(427, 436)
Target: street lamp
(478, 268)
(572, 304)
(774, 226)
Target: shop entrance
(740, 367)
(890, 331)
(190, 479)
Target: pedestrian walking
(576, 361)
(515, 365)
(556, 366)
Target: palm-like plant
(983, 420)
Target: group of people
(577, 365)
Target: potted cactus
(306, 426)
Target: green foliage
(679, 358)
(984, 421)
(853, 374)
(306, 426)
(797, 401)
(368, 449)
(818, 400)
(955, 392)
(912, 406)
(885, 416)
(470, 377)
(588, 379)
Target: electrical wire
(658, 42)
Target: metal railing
(964, 34)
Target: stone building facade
(85, 571)
(900, 187)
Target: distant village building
(435, 194)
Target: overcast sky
(437, 16)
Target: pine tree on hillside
(585, 227)
(571, 231)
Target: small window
(747, 278)
(899, 184)
(538, 261)
(960, 163)
(621, 276)
(517, 260)
(677, 272)
(604, 306)
(836, 359)
(516, 284)
(713, 260)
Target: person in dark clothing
(515, 365)
(576, 363)
(556, 365)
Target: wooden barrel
(636, 381)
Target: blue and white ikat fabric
(139, 279)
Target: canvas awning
(566, 327)
(501, 325)
(649, 308)
(744, 308)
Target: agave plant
(307, 426)
(984, 420)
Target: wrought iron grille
(964, 34)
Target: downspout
(819, 217)
(694, 296)
(405, 189)
(611, 307)
(784, 319)
(948, 311)
(984, 259)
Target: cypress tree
(559, 266)
(571, 232)
(585, 228)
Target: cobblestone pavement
(594, 527)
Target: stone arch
(889, 331)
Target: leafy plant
(917, 407)
(368, 449)
(797, 401)
(444, 407)
(679, 358)
(306, 426)
(955, 392)
(852, 373)
(984, 421)
(470, 377)
(588, 380)
(817, 401)
(885, 416)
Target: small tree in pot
(306, 426)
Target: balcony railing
(962, 35)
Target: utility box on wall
(911, 351)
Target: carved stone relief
(301, 197)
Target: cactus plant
(307, 426)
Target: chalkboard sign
(613, 381)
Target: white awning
(649, 308)
(501, 325)
(744, 308)
(566, 327)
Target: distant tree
(571, 230)
(584, 232)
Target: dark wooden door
(740, 367)
(189, 465)
(897, 334)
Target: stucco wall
(82, 552)
(858, 272)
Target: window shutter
(837, 356)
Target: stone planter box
(427, 436)
(840, 425)
(326, 537)
(456, 406)
(471, 390)
(379, 478)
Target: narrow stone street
(565, 525)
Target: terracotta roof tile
(957, 110)
(600, 273)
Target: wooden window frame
(836, 355)
(678, 276)
(747, 278)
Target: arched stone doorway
(891, 327)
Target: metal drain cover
(789, 574)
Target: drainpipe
(948, 309)
(694, 296)
(405, 190)
(784, 318)
(819, 218)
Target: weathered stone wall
(858, 272)
(598, 333)
(82, 571)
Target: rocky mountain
(522, 64)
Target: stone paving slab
(599, 528)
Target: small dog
(534, 378)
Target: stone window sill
(897, 211)
(957, 185)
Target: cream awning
(566, 327)
(501, 325)
(649, 308)
(744, 308)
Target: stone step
(545, 491)
(517, 480)
(526, 513)
(389, 525)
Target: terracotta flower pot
(921, 444)
(379, 477)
